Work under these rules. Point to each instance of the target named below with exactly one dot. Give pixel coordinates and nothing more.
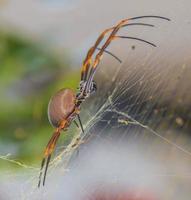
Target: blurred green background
(29, 76)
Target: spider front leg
(88, 60)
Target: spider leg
(46, 168)
(102, 49)
(76, 124)
(87, 61)
(149, 16)
(79, 119)
(82, 129)
(40, 175)
(49, 150)
(134, 38)
(113, 36)
(139, 24)
(123, 23)
(114, 56)
(47, 155)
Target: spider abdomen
(60, 106)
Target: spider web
(144, 101)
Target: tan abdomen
(60, 106)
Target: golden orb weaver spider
(64, 106)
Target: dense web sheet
(144, 96)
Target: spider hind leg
(47, 156)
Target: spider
(64, 106)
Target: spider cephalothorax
(91, 89)
(64, 106)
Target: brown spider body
(60, 106)
(64, 106)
